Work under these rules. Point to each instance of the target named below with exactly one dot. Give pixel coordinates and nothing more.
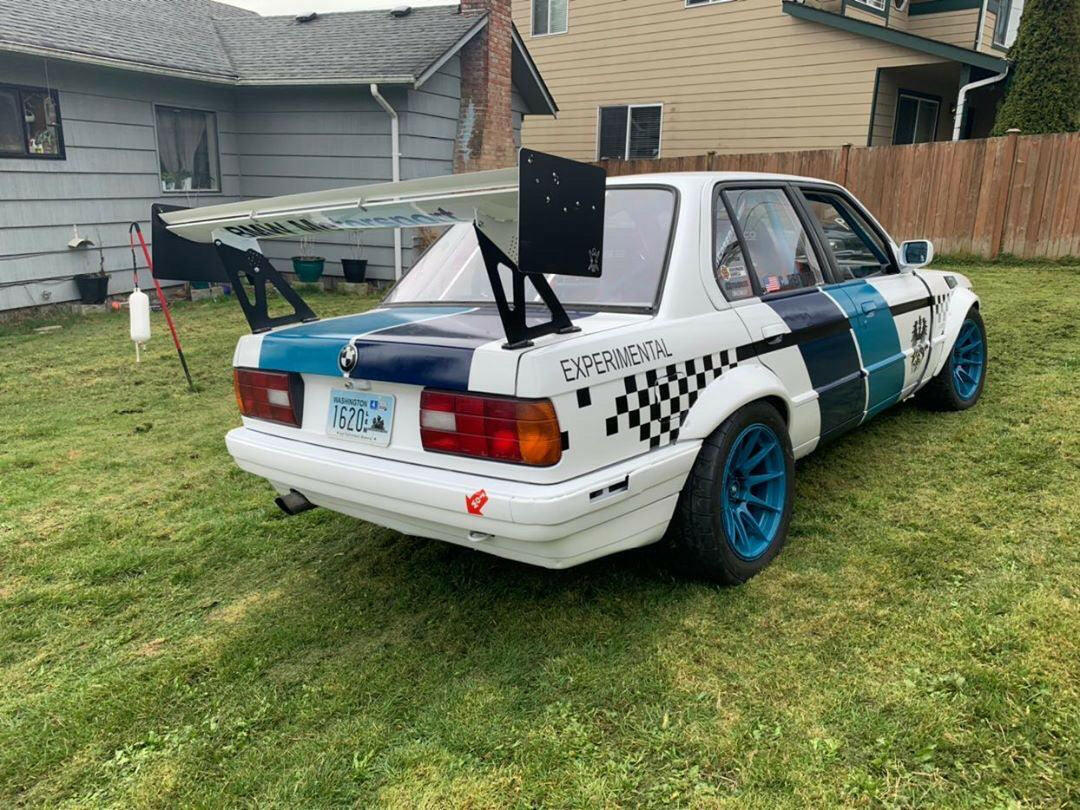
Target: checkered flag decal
(655, 402)
(941, 306)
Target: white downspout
(395, 167)
(961, 98)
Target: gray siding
(272, 141)
(295, 139)
(109, 178)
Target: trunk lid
(399, 352)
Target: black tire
(940, 394)
(697, 539)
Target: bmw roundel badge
(347, 358)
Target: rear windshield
(637, 230)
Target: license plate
(360, 415)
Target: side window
(187, 149)
(549, 17)
(30, 123)
(729, 264)
(858, 250)
(780, 253)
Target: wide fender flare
(961, 301)
(729, 392)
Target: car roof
(686, 179)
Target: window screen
(779, 250)
(644, 132)
(613, 132)
(629, 131)
(188, 150)
(30, 123)
(858, 250)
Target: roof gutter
(961, 98)
(123, 64)
(395, 165)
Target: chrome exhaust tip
(293, 503)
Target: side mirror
(916, 253)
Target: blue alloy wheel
(754, 491)
(968, 360)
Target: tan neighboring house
(649, 78)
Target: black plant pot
(355, 270)
(93, 288)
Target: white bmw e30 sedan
(582, 365)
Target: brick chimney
(485, 135)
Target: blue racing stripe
(879, 343)
(313, 348)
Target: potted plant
(94, 287)
(308, 268)
(355, 269)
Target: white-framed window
(877, 5)
(1007, 22)
(549, 17)
(187, 149)
(690, 3)
(629, 131)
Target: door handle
(774, 333)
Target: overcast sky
(268, 7)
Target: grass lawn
(167, 637)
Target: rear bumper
(553, 525)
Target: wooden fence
(1017, 195)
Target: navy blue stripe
(313, 348)
(414, 363)
(822, 332)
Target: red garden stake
(134, 230)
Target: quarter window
(780, 253)
(187, 149)
(30, 123)
(629, 131)
(856, 247)
(729, 263)
(549, 17)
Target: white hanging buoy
(139, 306)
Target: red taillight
(271, 395)
(525, 431)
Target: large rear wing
(544, 217)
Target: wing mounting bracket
(253, 267)
(513, 314)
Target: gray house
(109, 106)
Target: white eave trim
(526, 57)
(433, 68)
(273, 82)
